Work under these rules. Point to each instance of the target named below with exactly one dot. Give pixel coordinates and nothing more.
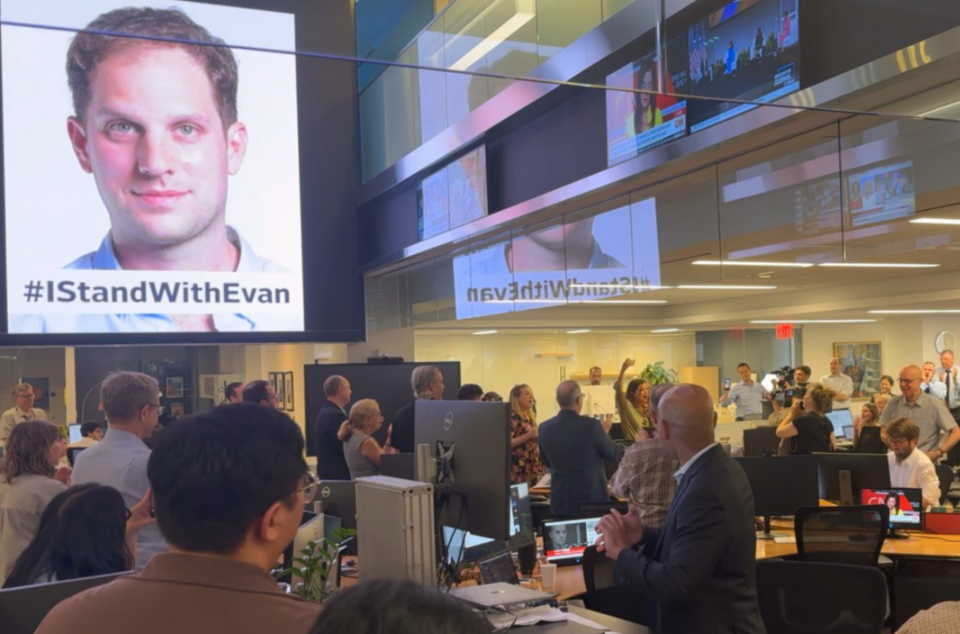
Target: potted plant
(655, 374)
(311, 567)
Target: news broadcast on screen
(151, 186)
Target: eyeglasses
(128, 514)
(160, 408)
(308, 486)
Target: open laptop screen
(565, 541)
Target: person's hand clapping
(140, 514)
(64, 475)
(618, 532)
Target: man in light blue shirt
(131, 402)
(747, 395)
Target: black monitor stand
(767, 534)
(893, 534)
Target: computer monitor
(564, 542)
(780, 485)
(848, 432)
(843, 474)
(761, 441)
(339, 498)
(24, 608)
(499, 569)
(75, 435)
(463, 546)
(840, 418)
(598, 400)
(906, 507)
(470, 442)
(399, 465)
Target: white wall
(498, 362)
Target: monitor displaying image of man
(157, 123)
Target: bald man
(697, 573)
(938, 430)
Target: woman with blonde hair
(807, 428)
(881, 400)
(361, 451)
(29, 480)
(524, 434)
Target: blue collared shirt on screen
(105, 259)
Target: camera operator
(806, 426)
(791, 386)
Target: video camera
(786, 386)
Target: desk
(617, 625)
(920, 545)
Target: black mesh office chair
(761, 441)
(801, 597)
(945, 475)
(841, 534)
(869, 441)
(603, 595)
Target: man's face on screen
(155, 143)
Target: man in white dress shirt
(839, 383)
(909, 468)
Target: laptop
(491, 594)
(499, 569)
(848, 432)
(839, 419)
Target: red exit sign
(784, 331)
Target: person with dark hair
(574, 448)
(327, 446)
(397, 606)
(747, 395)
(802, 375)
(886, 385)
(155, 122)
(596, 375)
(29, 480)
(491, 397)
(234, 392)
(426, 381)
(85, 531)
(893, 503)
(91, 433)
(228, 488)
(470, 392)
(261, 392)
(634, 404)
(909, 468)
(131, 401)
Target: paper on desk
(785, 540)
(547, 614)
(544, 482)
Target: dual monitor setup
(783, 484)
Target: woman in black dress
(807, 428)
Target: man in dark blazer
(698, 572)
(574, 446)
(331, 465)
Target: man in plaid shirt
(646, 472)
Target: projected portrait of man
(156, 124)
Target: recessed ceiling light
(935, 221)
(665, 330)
(918, 311)
(724, 287)
(877, 265)
(813, 321)
(794, 265)
(578, 332)
(485, 332)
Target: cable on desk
(926, 536)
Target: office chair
(603, 595)
(850, 535)
(761, 441)
(869, 441)
(945, 475)
(24, 608)
(802, 597)
(922, 583)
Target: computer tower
(395, 529)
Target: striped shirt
(645, 477)
(943, 618)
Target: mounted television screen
(454, 196)
(637, 122)
(749, 51)
(881, 193)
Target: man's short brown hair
(151, 28)
(20, 389)
(903, 429)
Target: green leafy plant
(310, 571)
(655, 374)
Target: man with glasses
(911, 469)
(928, 412)
(22, 410)
(228, 488)
(131, 401)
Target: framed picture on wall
(276, 380)
(288, 391)
(174, 387)
(176, 409)
(863, 363)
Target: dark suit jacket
(699, 571)
(331, 464)
(404, 425)
(573, 446)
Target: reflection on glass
(882, 193)
(454, 196)
(749, 50)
